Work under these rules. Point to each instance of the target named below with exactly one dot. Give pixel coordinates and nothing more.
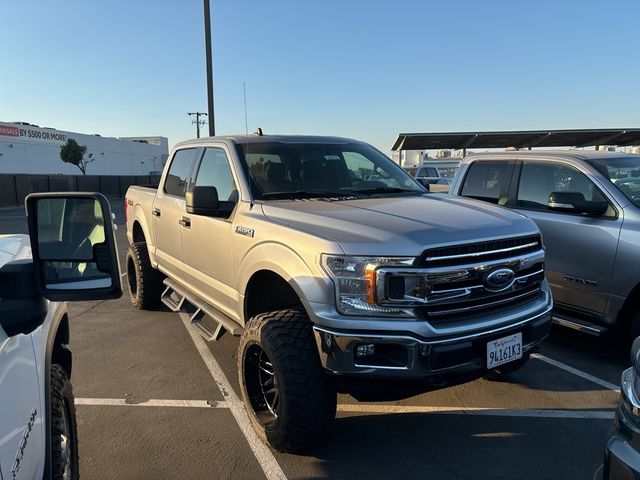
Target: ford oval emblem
(500, 279)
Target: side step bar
(580, 325)
(210, 322)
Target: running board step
(210, 323)
(580, 325)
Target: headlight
(354, 278)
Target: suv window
(427, 172)
(214, 171)
(179, 172)
(539, 180)
(487, 181)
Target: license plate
(504, 350)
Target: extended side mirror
(574, 202)
(204, 201)
(73, 246)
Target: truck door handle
(156, 212)
(185, 222)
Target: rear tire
(145, 282)
(290, 400)
(64, 433)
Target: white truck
(69, 254)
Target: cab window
(487, 181)
(214, 171)
(539, 180)
(179, 172)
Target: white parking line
(575, 371)
(478, 411)
(368, 408)
(265, 457)
(122, 402)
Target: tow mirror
(574, 202)
(73, 246)
(204, 201)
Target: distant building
(26, 148)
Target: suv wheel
(145, 282)
(64, 437)
(290, 400)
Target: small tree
(73, 153)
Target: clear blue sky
(363, 69)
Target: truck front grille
(457, 277)
(479, 252)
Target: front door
(580, 249)
(206, 242)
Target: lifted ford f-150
(337, 270)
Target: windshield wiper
(308, 194)
(375, 190)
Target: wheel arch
(267, 291)
(137, 232)
(56, 351)
(282, 265)
(630, 305)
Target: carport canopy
(518, 139)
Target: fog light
(365, 350)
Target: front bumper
(622, 453)
(439, 361)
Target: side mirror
(204, 201)
(73, 246)
(574, 202)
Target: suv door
(206, 241)
(21, 426)
(580, 249)
(168, 210)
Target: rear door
(488, 180)
(168, 210)
(580, 249)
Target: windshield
(624, 173)
(298, 170)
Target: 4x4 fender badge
(23, 444)
(246, 231)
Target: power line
(197, 121)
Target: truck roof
(546, 154)
(267, 138)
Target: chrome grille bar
(480, 254)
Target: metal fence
(13, 188)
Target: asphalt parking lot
(157, 401)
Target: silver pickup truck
(587, 205)
(339, 272)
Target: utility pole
(207, 41)
(197, 121)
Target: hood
(399, 225)
(14, 247)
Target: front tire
(290, 400)
(64, 434)
(145, 282)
